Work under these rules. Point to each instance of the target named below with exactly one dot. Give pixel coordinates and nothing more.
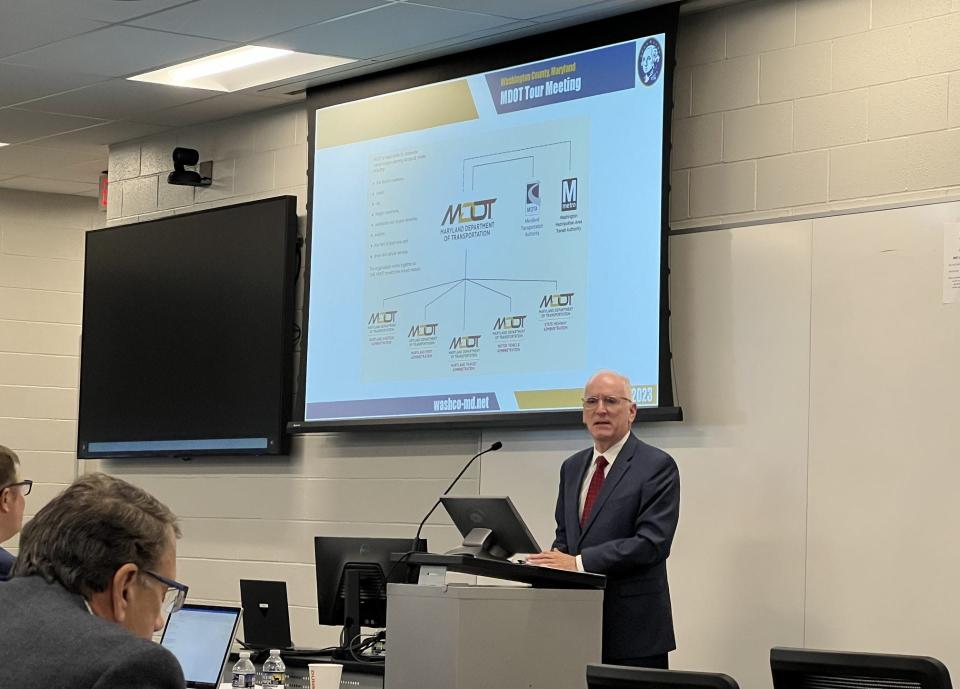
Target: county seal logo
(650, 62)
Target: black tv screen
(187, 342)
(503, 214)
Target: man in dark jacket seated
(95, 578)
(12, 494)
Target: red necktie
(593, 490)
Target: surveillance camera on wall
(187, 178)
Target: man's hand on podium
(554, 559)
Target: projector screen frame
(619, 28)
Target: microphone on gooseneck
(493, 448)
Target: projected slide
(485, 244)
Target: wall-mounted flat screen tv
(187, 343)
(489, 229)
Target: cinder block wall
(41, 280)
(790, 107)
(253, 157)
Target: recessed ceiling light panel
(242, 68)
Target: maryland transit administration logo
(532, 206)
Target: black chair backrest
(620, 677)
(799, 668)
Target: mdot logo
(568, 194)
(550, 301)
(469, 211)
(423, 330)
(382, 318)
(509, 323)
(465, 342)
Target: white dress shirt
(611, 456)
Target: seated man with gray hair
(94, 580)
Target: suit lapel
(620, 467)
(572, 497)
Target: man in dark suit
(12, 494)
(617, 512)
(93, 581)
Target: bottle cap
(274, 651)
(245, 654)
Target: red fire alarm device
(103, 190)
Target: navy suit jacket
(627, 537)
(6, 564)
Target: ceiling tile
(101, 10)
(218, 108)
(117, 99)
(304, 81)
(22, 125)
(88, 172)
(246, 20)
(596, 10)
(382, 31)
(528, 9)
(476, 39)
(118, 51)
(95, 138)
(26, 159)
(23, 29)
(50, 186)
(18, 84)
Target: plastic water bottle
(244, 673)
(274, 672)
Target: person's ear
(6, 500)
(122, 583)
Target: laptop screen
(200, 636)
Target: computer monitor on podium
(491, 527)
(352, 577)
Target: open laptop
(266, 616)
(200, 636)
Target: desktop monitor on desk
(352, 576)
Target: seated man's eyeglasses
(24, 486)
(174, 596)
(609, 401)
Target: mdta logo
(468, 211)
